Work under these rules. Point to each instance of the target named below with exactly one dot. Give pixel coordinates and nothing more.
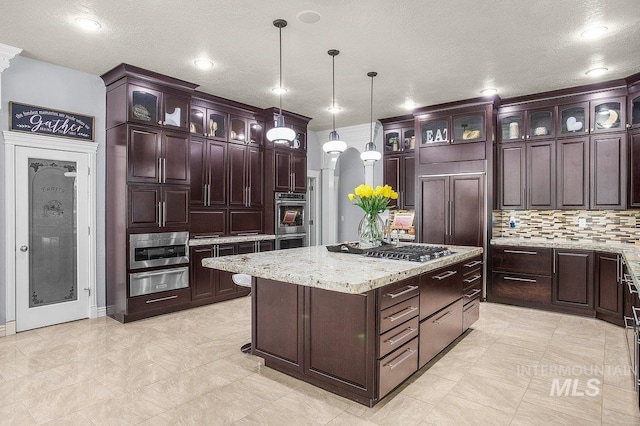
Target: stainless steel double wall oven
(291, 222)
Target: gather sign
(46, 121)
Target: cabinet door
(246, 247)
(175, 158)
(608, 286)
(238, 130)
(299, 169)
(198, 175)
(408, 183)
(572, 173)
(573, 279)
(541, 165)
(144, 105)
(202, 279)
(608, 171)
(540, 123)
(512, 178)
(511, 126)
(197, 120)
(608, 115)
(216, 125)
(237, 176)
(573, 119)
(634, 164)
(469, 127)
(466, 214)
(144, 152)
(176, 206)
(224, 282)
(216, 166)
(256, 131)
(392, 140)
(255, 176)
(266, 245)
(208, 223)
(282, 173)
(634, 109)
(391, 169)
(144, 204)
(175, 110)
(435, 131)
(435, 210)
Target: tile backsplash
(601, 225)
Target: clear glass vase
(371, 231)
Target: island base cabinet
(396, 367)
(439, 330)
(470, 314)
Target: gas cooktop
(412, 253)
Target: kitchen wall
(600, 225)
(38, 83)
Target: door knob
(24, 248)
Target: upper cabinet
(400, 139)
(208, 122)
(634, 109)
(448, 128)
(529, 124)
(598, 116)
(157, 108)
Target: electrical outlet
(582, 222)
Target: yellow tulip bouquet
(373, 201)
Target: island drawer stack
(472, 290)
(398, 309)
(441, 305)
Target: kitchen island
(354, 325)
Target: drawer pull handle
(443, 318)
(472, 308)
(406, 311)
(521, 252)
(472, 264)
(631, 290)
(635, 316)
(409, 353)
(472, 279)
(473, 293)
(526, 280)
(445, 275)
(407, 289)
(161, 299)
(399, 337)
(626, 323)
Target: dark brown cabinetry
(573, 279)
(609, 288)
(156, 107)
(159, 156)
(290, 171)
(512, 175)
(457, 127)
(525, 125)
(246, 165)
(634, 166)
(399, 173)
(572, 173)
(208, 122)
(453, 210)
(608, 171)
(158, 206)
(208, 160)
(589, 117)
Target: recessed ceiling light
(409, 104)
(489, 92)
(279, 90)
(334, 109)
(88, 24)
(597, 72)
(593, 33)
(308, 16)
(203, 64)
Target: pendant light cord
(333, 93)
(280, 88)
(371, 120)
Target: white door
(52, 237)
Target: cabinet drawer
(472, 280)
(397, 314)
(472, 292)
(518, 287)
(523, 260)
(398, 336)
(439, 330)
(472, 266)
(470, 313)
(397, 366)
(399, 292)
(439, 289)
(158, 300)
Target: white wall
(38, 83)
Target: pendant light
(370, 153)
(280, 134)
(334, 145)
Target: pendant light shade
(334, 145)
(370, 153)
(280, 133)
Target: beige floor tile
(573, 355)
(400, 410)
(532, 415)
(79, 371)
(128, 409)
(15, 414)
(620, 400)
(314, 403)
(449, 367)
(455, 411)
(492, 392)
(124, 379)
(73, 419)
(17, 390)
(620, 376)
(613, 418)
(539, 393)
(277, 416)
(207, 409)
(126, 356)
(466, 352)
(347, 419)
(429, 388)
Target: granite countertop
(228, 240)
(343, 272)
(629, 252)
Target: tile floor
(186, 369)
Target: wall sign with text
(50, 122)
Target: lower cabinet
(609, 288)
(440, 329)
(573, 280)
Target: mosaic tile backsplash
(600, 226)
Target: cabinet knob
(522, 137)
(590, 130)
(160, 122)
(628, 126)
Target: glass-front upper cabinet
(300, 141)
(573, 119)
(238, 129)
(634, 109)
(540, 123)
(408, 138)
(256, 130)
(392, 140)
(435, 131)
(197, 120)
(511, 126)
(208, 122)
(155, 108)
(468, 128)
(608, 115)
(399, 139)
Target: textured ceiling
(429, 51)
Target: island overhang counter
(354, 325)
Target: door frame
(17, 139)
(314, 238)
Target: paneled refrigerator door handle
(164, 214)
(208, 194)
(249, 196)
(159, 170)
(450, 218)
(160, 215)
(164, 170)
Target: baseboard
(98, 311)
(10, 328)
(2, 331)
